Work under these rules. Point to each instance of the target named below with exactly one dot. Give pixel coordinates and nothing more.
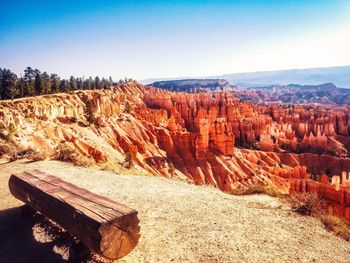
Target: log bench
(104, 226)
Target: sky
(155, 39)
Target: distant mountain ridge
(340, 76)
(327, 94)
(192, 85)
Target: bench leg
(78, 252)
(26, 211)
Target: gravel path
(183, 223)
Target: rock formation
(210, 137)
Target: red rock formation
(202, 134)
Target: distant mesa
(326, 94)
(340, 76)
(193, 85)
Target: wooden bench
(106, 227)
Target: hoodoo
(210, 138)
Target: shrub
(272, 192)
(129, 159)
(306, 203)
(67, 154)
(248, 190)
(12, 131)
(256, 189)
(7, 132)
(4, 149)
(338, 225)
(64, 153)
(26, 153)
(38, 156)
(128, 107)
(171, 169)
(89, 111)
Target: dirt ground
(179, 223)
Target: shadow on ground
(31, 239)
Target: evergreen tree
(104, 84)
(34, 83)
(9, 85)
(72, 83)
(64, 86)
(45, 84)
(110, 81)
(29, 77)
(20, 87)
(97, 83)
(79, 82)
(37, 82)
(55, 83)
(92, 83)
(86, 84)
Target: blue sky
(151, 39)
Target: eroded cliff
(210, 138)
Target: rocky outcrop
(336, 194)
(210, 138)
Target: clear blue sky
(146, 39)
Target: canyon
(210, 138)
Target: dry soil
(179, 223)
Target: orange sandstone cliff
(210, 138)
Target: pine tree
(20, 87)
(64, 86)
(72, 83)
(37, 82)
(9, 85)
(86, 84)
(45, 84)
(29, 77)
(104, 84)
(92, 83)
(110, 80)
(13, 86)
(34, 83)
(55, 83)
(79, 83)
(97, 83)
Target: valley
(207, 138)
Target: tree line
(33, 82)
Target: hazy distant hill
(327, 94)
(340, 76)
(192, 85)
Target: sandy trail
(179, 223)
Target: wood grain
(106, 227)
